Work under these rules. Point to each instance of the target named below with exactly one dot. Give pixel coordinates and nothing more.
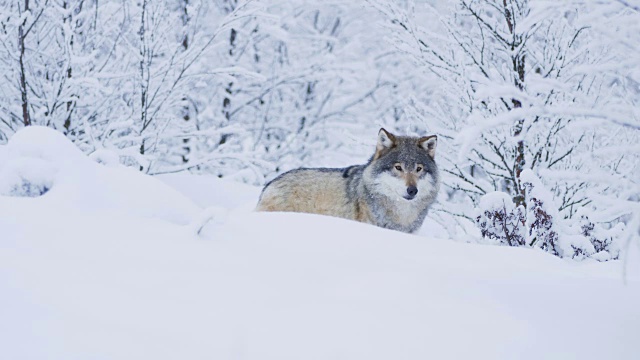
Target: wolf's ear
(429, 143)
(386, 140)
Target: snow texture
(43, 162)
(107, 265)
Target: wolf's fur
(376, 192)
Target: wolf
(393, 190)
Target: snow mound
(495, 200)
(209, 190)
(26, 177)
(105, 157)
(114, 264)
(44, 143)
(29, 163)
(41, 161)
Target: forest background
(535, 103)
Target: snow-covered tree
(247, 89)
(516, 93)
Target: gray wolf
(393, 190)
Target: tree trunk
(26, 119)
(143, 73)
(186, 147)
(518, 61)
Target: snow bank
(40, 161)
(209, 190)
(99, 268)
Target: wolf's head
(404, 166)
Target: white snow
(107, 265)
(41, 156)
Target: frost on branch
(539, 224)
(501, 220)
(541, 214)
(532, 224)
(505, 222)
(576, 238)
(604, 242)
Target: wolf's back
(317, 191)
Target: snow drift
(40, 160)
(105, 265)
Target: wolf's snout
(412, 191)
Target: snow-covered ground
(108, 264)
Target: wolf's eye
(419, 168)
(398, 167)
